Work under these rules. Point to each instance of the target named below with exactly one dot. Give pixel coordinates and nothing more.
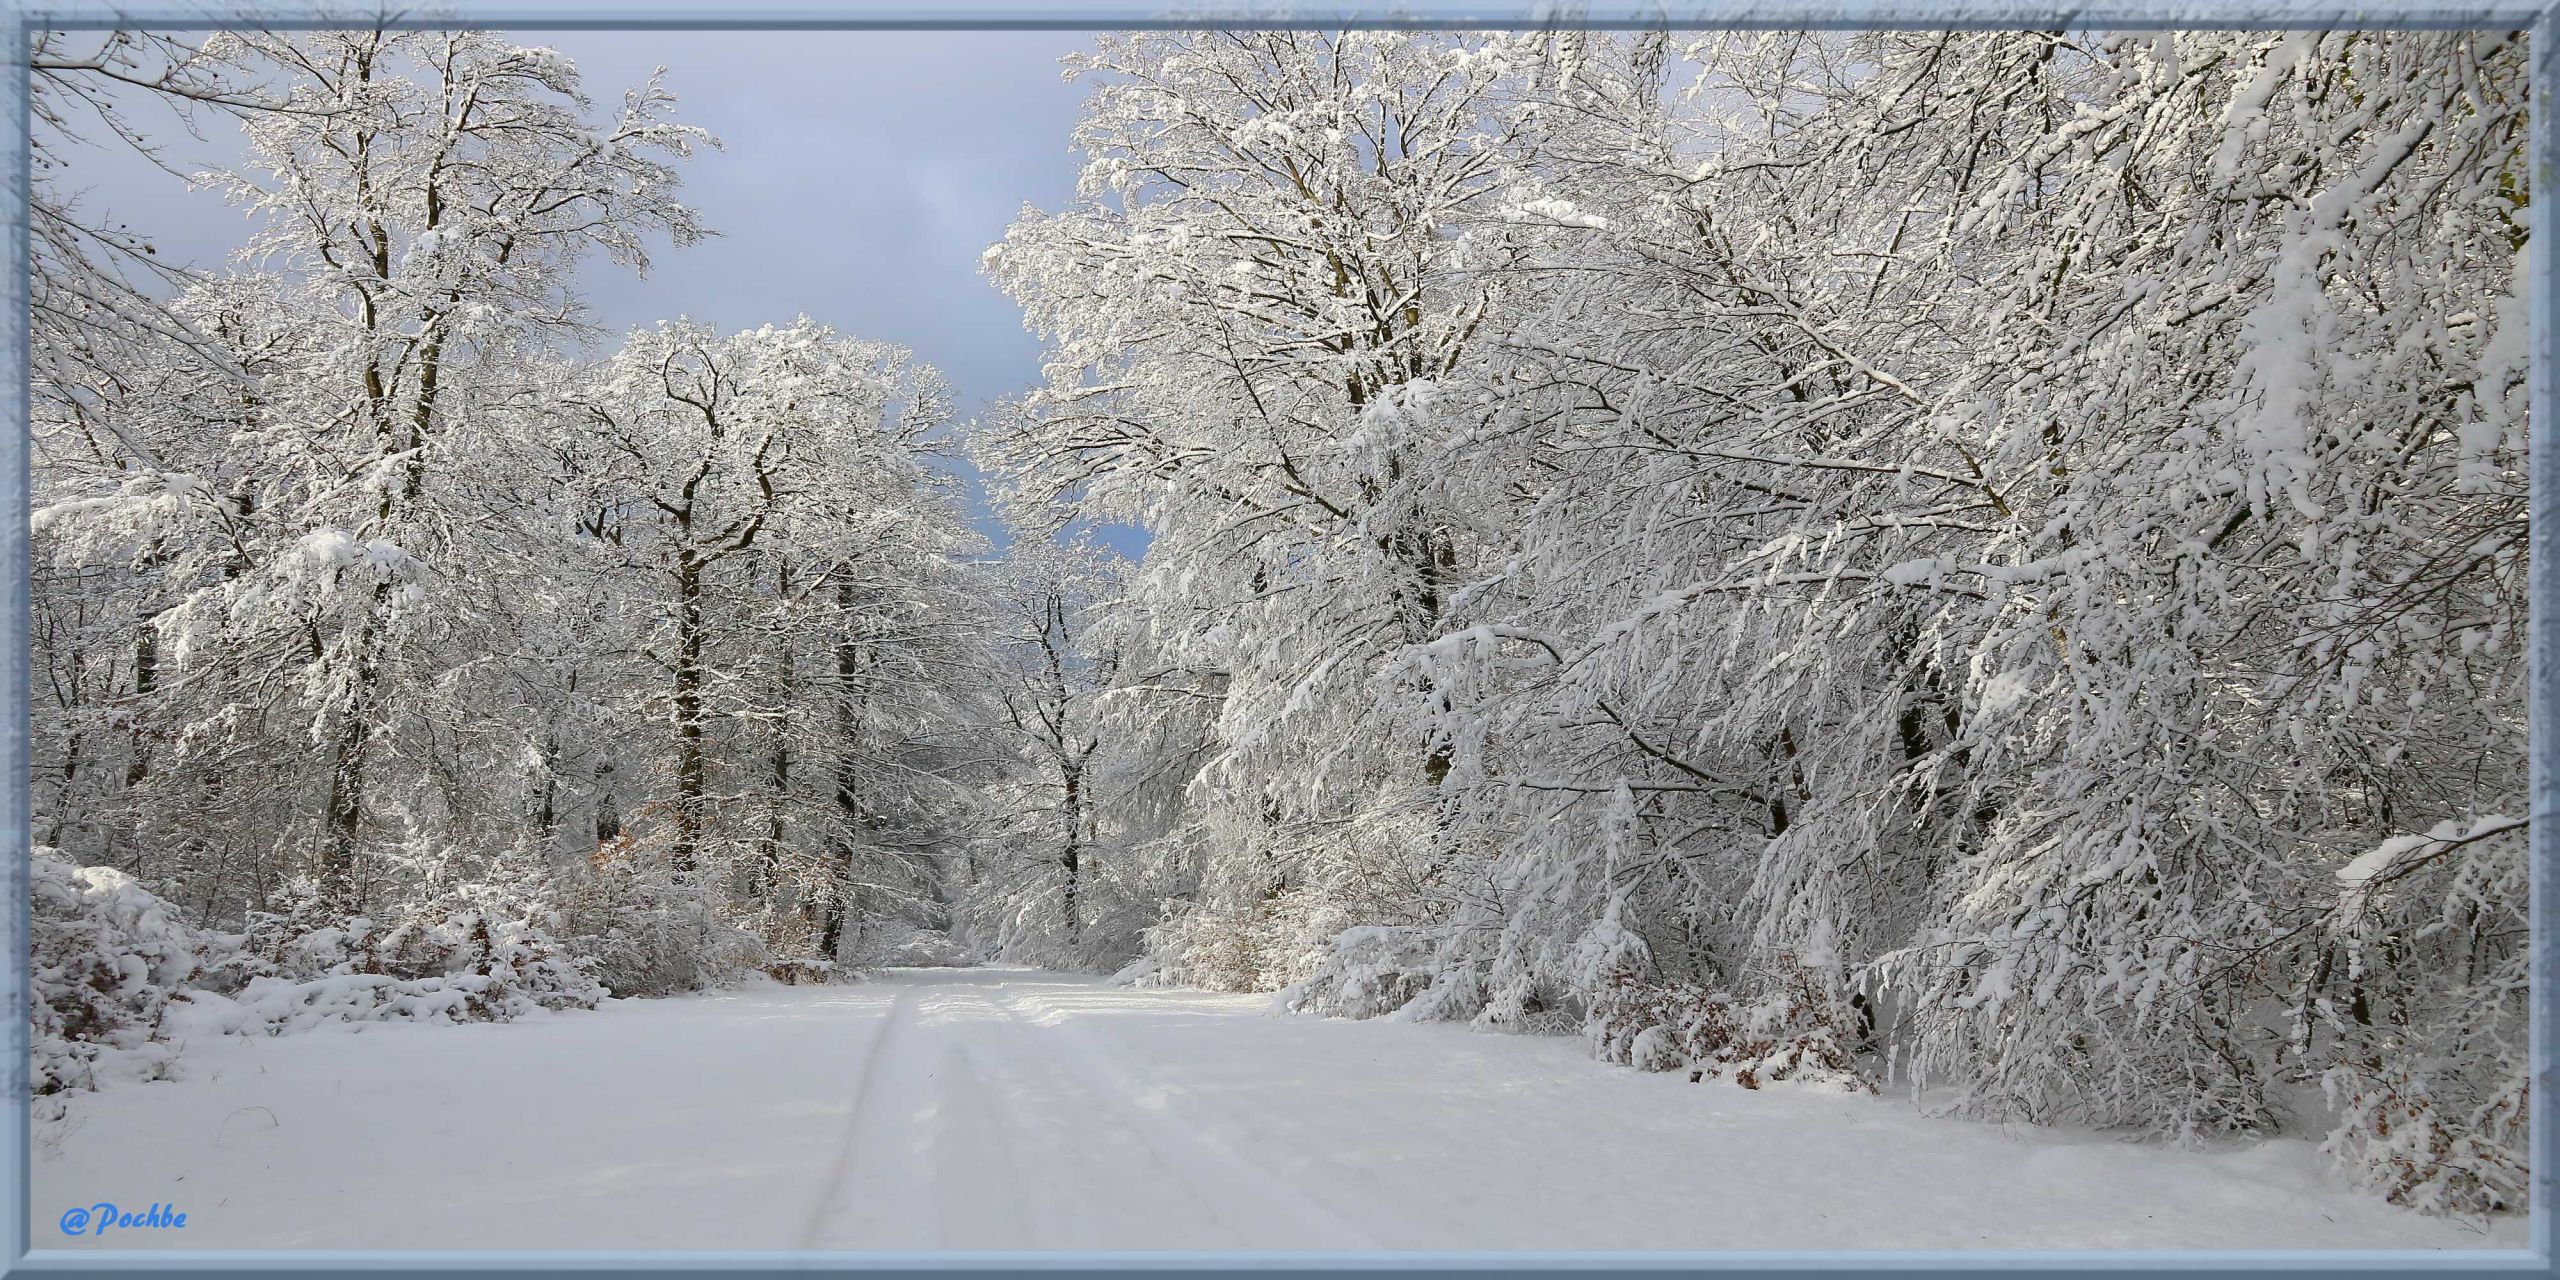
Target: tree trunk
(772, 869)
(64, 800)
(692, 769)
(836, 899)
(1073, 854)
(1432, 561)
(608, 813)
(345, 822)
(146, 679)
(546, 813)
(137, 763)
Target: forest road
(998, 1109)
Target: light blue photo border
(19, 1251)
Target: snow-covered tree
(349, 572)
(1254, 309)
(781, 577)
(1974, 530)
(422, 199)
(1049, 887)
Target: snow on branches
(461, 675)
(1983, 524)
(1992, 562)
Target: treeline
(395, 658)
(1990, 561)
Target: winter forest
(1980, 569)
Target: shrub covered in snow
(106, 958)
(1797, 1031)
(2432, 930)
(652, 931)
(2463, 1153)
(1371, 970)
(118, 976)
(1268, 945)
(1214, 950)
(1605, 982)
(475, 951)
(802, 973)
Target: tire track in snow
(1191, 1152)
(978, 1202)
(860, 1117)
(1061, 1108)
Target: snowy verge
(120, 979)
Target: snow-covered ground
(997, 1109)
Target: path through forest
(1005, 1108)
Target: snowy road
(997, 1109)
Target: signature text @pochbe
(102, 1217)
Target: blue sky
(863, 175)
